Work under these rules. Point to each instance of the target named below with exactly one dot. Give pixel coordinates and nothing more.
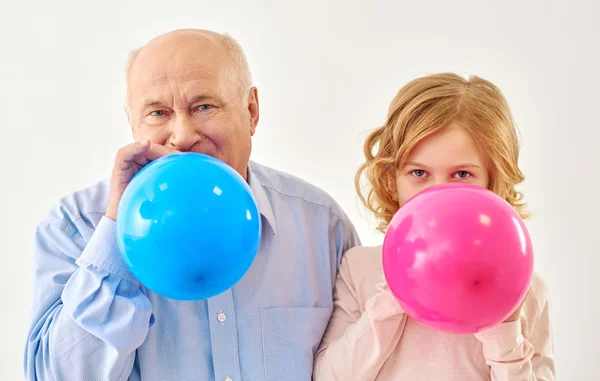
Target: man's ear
(253, 109)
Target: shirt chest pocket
(291, 336)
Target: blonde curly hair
(424, 106)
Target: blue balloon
(188, 226)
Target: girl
(440, 128)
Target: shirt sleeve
(356, 344)
(513, 357)
(345, 235)
(89, 313)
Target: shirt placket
(223, 335)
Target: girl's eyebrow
(421, 165)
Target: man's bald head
(196, 41)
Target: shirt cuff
(384, 305)
(102, 251)
(502, 341)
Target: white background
(326, 72)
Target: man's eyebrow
(150, 103)
(202, 98)
(153, 103)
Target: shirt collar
(264, 205)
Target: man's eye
(158, 113)
(204, 107)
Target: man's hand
(129, 160)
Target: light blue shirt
(92, 320)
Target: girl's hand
(516, 315)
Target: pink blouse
(371, 338)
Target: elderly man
(188, 90)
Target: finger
(154, 152)
(127, 154)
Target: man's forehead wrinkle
(210, 81)
(166, 75)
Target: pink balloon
(458, 258)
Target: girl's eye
(462, 174)
(418, 173)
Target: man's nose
(184, 134)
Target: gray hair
(240, 63)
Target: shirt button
(222, 317)
(228, 379)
